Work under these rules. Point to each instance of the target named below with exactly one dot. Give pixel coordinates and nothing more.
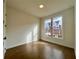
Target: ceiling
(32, 6)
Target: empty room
(39, 29)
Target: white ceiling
(32, 6)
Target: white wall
(68, 28)
(21, 28)
(4, 28)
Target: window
(53, 27)
(48, 27)
(57, 27)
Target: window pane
(57, 27)
(47, 27)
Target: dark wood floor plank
(40, 50)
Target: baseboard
(17, 46)
(55, 44)
(39, 40)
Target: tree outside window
(53, 27)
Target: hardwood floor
(40, 50)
